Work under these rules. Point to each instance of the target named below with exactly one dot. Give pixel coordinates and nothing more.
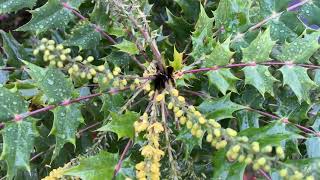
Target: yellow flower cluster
(294, 175)
(150, 167)
(55, 174)
(239, 149)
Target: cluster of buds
(239, 147)
(59, 56)
(294, 174)
(56, 174)
(150, 167)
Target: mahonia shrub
(160, 89)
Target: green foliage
(243, 96)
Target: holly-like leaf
(202, 40)
(220, 55)
(231, 15)
(100, 166)
(4, 77)
(259, 50)
(177, 60)
(312, 145)
(84, 36)
(13, 50)
(272, 134)
(52, 15)
(259, 77)
(301, 49)
(56, 86)
(65, 124)
(223, 79)
(190, 8)
(37, 73)
(121, 124)
(11, 104)
(248, 119)
(220, 108)
(18, 140)
(225, 170)
(297, 78)
(7, 6)
(180, 27)
(128, 47)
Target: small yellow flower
(175, 92)
(209, 138)
(179, 113)
(147, 151)
(157, 127)
(140, 166)
(255, 147)
(283, 172)
(101, 68)
(217, 132)
(90, 59)
(160, 97)
(170, 105)
(202, 120)
(183, 120)
(231, 132)
(181, 99)
(261, 161)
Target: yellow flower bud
(95, 80)
(170, 105)
(175, 92)
(63, 57)
(70, 71)
(267, 168)
(248, 160)
(221, 144)
(176, 109)
(60, 47)
(147, 87)
(197, 113)
(151, 93)
(66, 51)
(244, 139)
(231, 132)
(36, 52)
(181, 99)
(110, 76)
(256, 166)
(101, 68)
(51, 47)
(60, 64)
(51, 57)
(189, 124)
(310, 178)
(298, 175)
(140, 166)
(202, 120)
(145, 117)
(255, 147)
(192, 109)
(52, 63)
(75, 67)
(124, 82)
(51, 42)
(83, 75)
(209, 138)
(241, 158)
(160, 97)
(199, 133)
(193, 131)
(89, 76)
(90, 59)
(217, 132)
(42, 47)
(44, 40)
(92, 71)
(261, 161)
(117, 69)
(132, 87)
(104, 80)
(283, 172)
(279, 151)
(267, 149)
(236, 148)
(78, 58)
(137, 81)
(183, 120)
(179, 113)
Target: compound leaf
(7, 6)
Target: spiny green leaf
(11, 104)
(267, 7)
(232, 15)
(312, 145)
(225, 170)
(128, 47)
(13, 50)
(298, 80)
(65, 124)
(223, 79)
(202, 36)
(99, 15)
(52, 15)
(179, 26)
(301, 49)
(122, 124)
(220, 55)
(281, 31)
(220, 108)
(18, 140)
(190, 8)
(97, 167)
(259, 49)
(37, 73)
(248, 119)
(177, 60)
(271, 134)
(7, 6)
(259, 77)
(84, 36)
(56, 86)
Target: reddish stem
(264, 174)
(118, 166)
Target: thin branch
(7, 68)
(100, 30)
(119, 164)
(264, 174)
(276, 15)
(271, 63)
